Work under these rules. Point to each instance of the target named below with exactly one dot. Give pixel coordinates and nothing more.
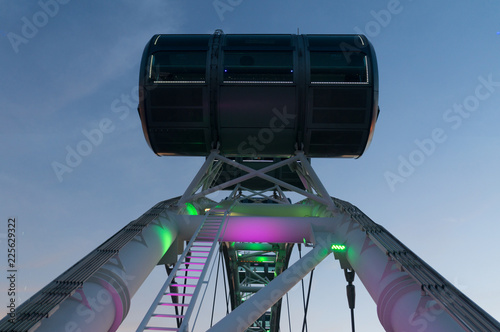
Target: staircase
(175, 302)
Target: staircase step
(193, 263)
(174, 304)
(190, 270)
(153, 328)
(197, 257)
(182, 285)
(167, 316)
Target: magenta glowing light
(266, 229)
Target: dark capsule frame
(259, 95)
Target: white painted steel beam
(250, 310)
(103, 301)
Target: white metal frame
(208, 173)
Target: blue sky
(79, 67)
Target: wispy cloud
(75, 62)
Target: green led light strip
(338, 247)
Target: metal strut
(204, 178)
(351, 293)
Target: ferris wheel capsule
(259, 95)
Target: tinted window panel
(256, 40)
(342, 42)
(255, 67)
(338, 67)
(178, 67)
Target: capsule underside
(259, 95)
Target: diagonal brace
(253, 308)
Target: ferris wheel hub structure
(258, 108)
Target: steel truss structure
(255, 229)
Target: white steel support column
(253, 308)
(103, 301)
(317, 184)
(401, 304)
